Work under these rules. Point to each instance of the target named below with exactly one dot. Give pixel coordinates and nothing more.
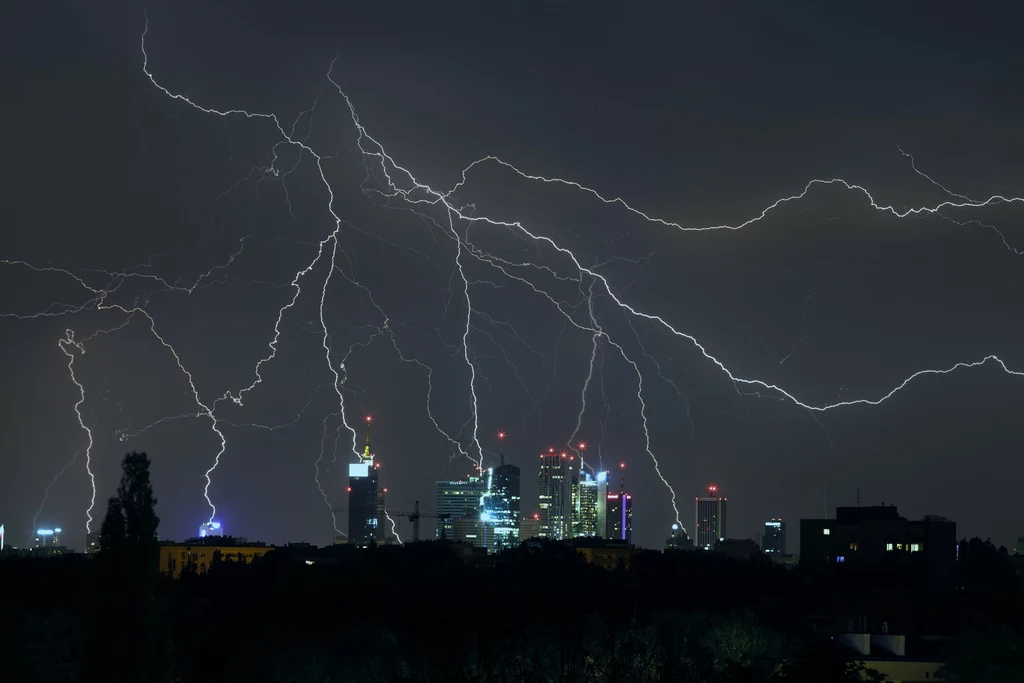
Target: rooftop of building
(218, 542)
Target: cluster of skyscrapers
(571, 503)
(485, 510)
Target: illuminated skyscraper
(364, 510)
(458, 500)
(709, 524)
(589, 505)
(774, 540)
(501, 503)
(554, 483)
(47, 538)
(529, 527)
(619, 526)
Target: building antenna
(367, 454)
(858, 496)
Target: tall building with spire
(502, 502)
(554, 483)
(364, 504)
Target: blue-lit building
(501, 506)
(47, 538)
(210, 529)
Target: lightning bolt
(421, 193)
(46, 493)
(400, 183)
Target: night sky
(696, 116)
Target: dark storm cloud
(696, 115)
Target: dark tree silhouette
(126, 638)
(112, 533)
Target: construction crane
(414, 517)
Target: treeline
(540, 614)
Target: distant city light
(209, 529)
(44, 532)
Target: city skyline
(230, 240)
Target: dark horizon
(696, 117)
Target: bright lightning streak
(435, 197)
(853, 187)
(393, 531)
(930, 179)
(421, 193)
(63, 345)
(46, 493)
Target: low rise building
(878, 539)
(605, 553)
(197, 554)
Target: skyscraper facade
(773, 541)
(529, 527)
(47, 538)
(458, 500)
(589, 505)
(619, 524)
(709, 523)
(364, 508)
(501, 506)
(554, 484)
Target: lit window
(888, 546)
(841, 558)
(915, 547)
(826, 532)
(899, 546)
(853, 546)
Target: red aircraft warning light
(622, 465)
(501, 435)
(712, 489)
(369, 418)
